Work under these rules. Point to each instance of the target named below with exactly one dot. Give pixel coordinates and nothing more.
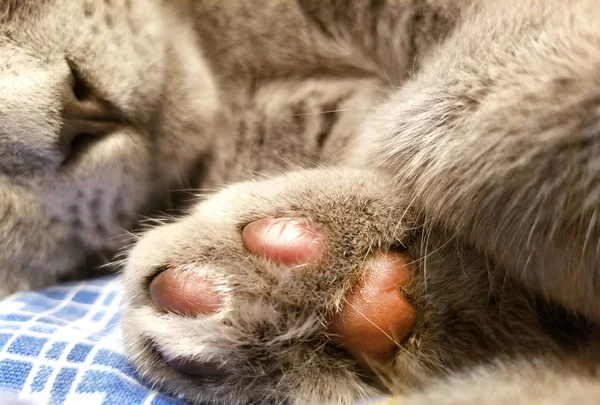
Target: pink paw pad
(183, 292)
(283, 240)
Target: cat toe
(376, 316)
(283, 240)
(184, 292)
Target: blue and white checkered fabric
(63, 346)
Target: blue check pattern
(62, 346)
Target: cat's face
(89, 95)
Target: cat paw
(283, 290)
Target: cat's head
(96, 111)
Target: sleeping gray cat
(463, 135)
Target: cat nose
(85, 115)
